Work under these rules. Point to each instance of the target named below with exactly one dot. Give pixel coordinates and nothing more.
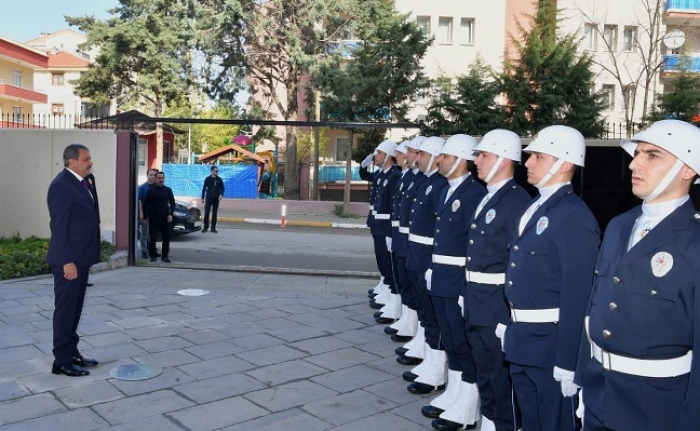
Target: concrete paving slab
(141, 406)
(213, 350)
(29, 407)
(353, 378)
(289, 420)
(289, 395)
(348, 407)
(88, 394)
(276, 374)
(218, 388)
(10, 389)
(216, 367)
(218, 414)
(83, 420)
(271, 355)
(160, 344)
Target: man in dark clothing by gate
(213, 189)
(158, 207)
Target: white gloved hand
(501, 333)
(388, 244)
(367, 162)
(429, 278)
(460, 302)
(581, 407)
(566, 378)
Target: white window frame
(344, 144)
(58, 109)
(629, 39)
(423, 22)
(589, 40)
(17, 114)
(444, 33)
(17, 78)
(61, 76)
(610, 36)
(466, 31)
(609, 91)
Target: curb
(306, 223)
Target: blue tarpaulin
(240, 181)
(332, 174)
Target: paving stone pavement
(261, 352)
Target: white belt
(426, 240)
(403, 229)
(371, 207)
(382, 216)
(374, 213)
(449, 260)
(549, 315)
(484, 278)
(394, 223)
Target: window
(57, 78)
(628, 94)
(342, 148)
(17, 78)
(424, 23)
(610, 36)
(608, 92)
(57, 109)
(17, 114)
(589, 37)
(466, 31)
(444, 36)
(630, 39)
(143, 150)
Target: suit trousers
(453, 337)
(542, 406)
(69, 296)
(402, 284)
(426, 312)
(143, 233)
(492, 376)
(383, 257)
(210, 204)
(156, 226)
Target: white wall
(60, 94)
(32, 158)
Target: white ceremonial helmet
(402, 148)
(415, 142)
(679, 138)
(504, 144)
(460, 146)
(563, 142)
(389, 147)
(433, 146)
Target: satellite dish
(674, 39)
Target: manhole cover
(192, 292)
(135, 372)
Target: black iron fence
(50, 121)
(621, 130)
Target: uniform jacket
(375, 178)
(382, 202)
(551, 266)
(405, 205)
(399, 240)
(451, 226)
(646, 300)
(159, 203)
(422, 221)
(487, 252)
(213, 187)
(75, 225)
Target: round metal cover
(135, 372)
(192, 292)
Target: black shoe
(431, 412)
(153, 259)
(401, 338)
(371, 292)
(400, 350)
(390, 331)
(69, 370)
(378, 314)
(385, 320)
(158, 255)
(371, 295)
(441, 424)
(375, 305)
(89, 284)
(83, 361)
(422, 388)
(214, 230)
(165, 259)
(408, 360)
(144, 255)
(409, 376)
(205, 229)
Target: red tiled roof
(65, 59)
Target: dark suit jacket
(93, 189)
(75, 224)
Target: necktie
(449, 193)
(528, 215)
(482, 204)
(87, 188)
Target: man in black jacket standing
(158, 207)
(213, 189)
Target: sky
(25, 20)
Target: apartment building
(18, 96)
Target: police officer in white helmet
(644, 314)
(548, 282)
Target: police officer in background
(645, 307)
(458, 406)
(548, 282)
(212, 193)
(420, 251)
(485, 306)
(374, 179)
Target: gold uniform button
(606, 333)
(612, 306)
(616, 280)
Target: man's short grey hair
(73, 152)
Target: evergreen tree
(683, 102)
(550, 82)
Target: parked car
(186, 218)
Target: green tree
(143, 57)
(683, 102)
(468, 105)
(550, 82)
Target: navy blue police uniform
(485, 305)
(381, 228)
(548, 283)
(448, 262)
(375, 178)
(420, 251)
(645, 306)
(399, 239)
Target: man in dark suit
(213, 190)
(158, 207)
(93, 191)
(74, 247)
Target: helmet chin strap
(553, 170)
(386, 161)
(493, 170)
(665, 181)
(453, 168)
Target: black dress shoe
(400, 350)
(158, 255)
(144, 255)
(89, 284)
(69, 370)
(401, 338)
(371, 295)
(441, 424)
(82, 361)
(375, 305)
(409, 376)
(385, 320)
(408, 360)
(214, 230)
(390, 331)
(422, 388)
(378, 314)
(370, 291)
(153, 259)
(431, 412)
(205, 229)
(165, 259)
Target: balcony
(682, 12)
(345, 47)
(678, 63)
(19, 94)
